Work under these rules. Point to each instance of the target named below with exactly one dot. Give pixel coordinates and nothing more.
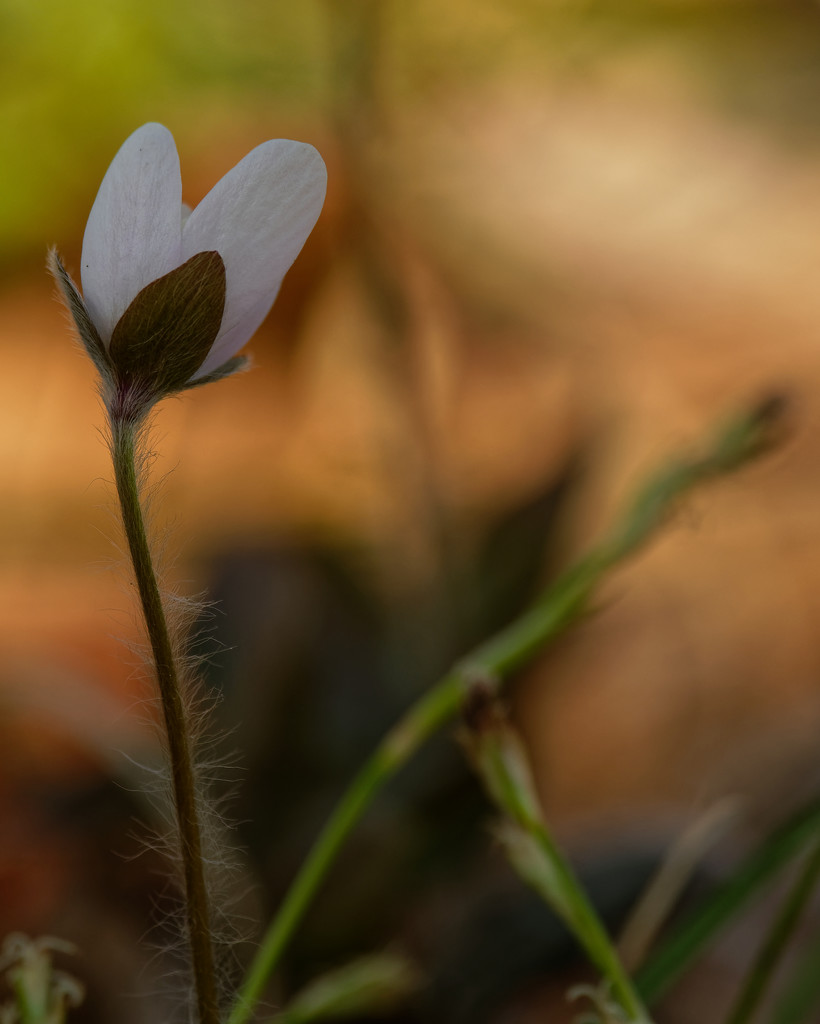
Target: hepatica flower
(170, 295)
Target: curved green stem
(588, 929)
(734, 444)
(124, 435)
(501, 762)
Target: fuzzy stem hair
(125, 435)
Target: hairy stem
(124, 439)
(734, 444)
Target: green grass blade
(800, 998)
(693, 936)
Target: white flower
(171, 296)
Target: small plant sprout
(169, 298)
(170, 295)
(41, 993)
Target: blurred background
(562, 238)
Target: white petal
(134, 230)
(257, 218)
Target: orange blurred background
(561, 239)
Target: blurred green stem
(732, 446)
(500, 759)
(771, 952)
(586, 926)
(688, 939)
(124, 451)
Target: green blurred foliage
(77, 78)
